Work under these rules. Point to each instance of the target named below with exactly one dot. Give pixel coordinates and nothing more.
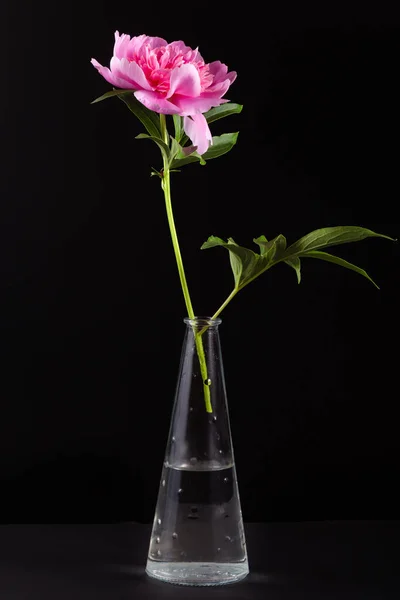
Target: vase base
(197, 573)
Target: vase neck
(198, 323)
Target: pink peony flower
(169, 79)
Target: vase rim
(202, 321)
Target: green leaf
(212, 241)
(295, 264)
(338, 261)
(186, 155)
(221, 145)
(162, 145)
(178, 162)
(246, 264)
(111, 94)
(243, 260)
(262, 242)
(176, 148)
(178, 125)
(274, 249)
(331, 236)
(147, 117)
(219, 112)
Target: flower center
(157, 64)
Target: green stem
(221, 308)
(229, 298)
(166, 186)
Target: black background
(91, 308)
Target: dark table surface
(339, 559)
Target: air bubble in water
(193, 460)
(180, 491)
(175, 536)
(158, 540)
(159, 521)
(158, 552)
(207, 382)
(226, 479)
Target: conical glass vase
(198, 536)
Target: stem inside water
(166, 186)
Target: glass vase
(198, 536)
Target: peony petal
(185, 81)
(217, 89)
(218, 70)
(156, 42)
(196, 127)
(197, 57)
(121, 44)
(111, 77)
(180, 47)
(191, 106)
(135, 45)
(232, 76)
(156, 102)
(130, 72)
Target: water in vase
(198, 520)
